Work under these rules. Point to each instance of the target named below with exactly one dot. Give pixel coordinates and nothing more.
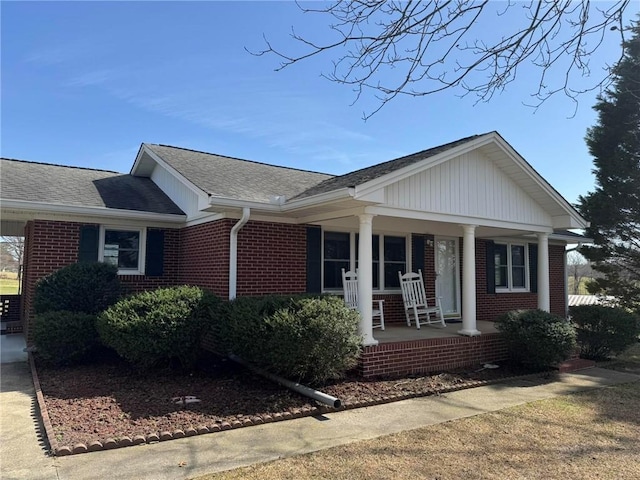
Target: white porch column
(543, 272)
(469, 282)
(365, 280)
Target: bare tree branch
(419, 48)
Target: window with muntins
(123, 248)
(511, 267)
(341, 251)
(337, 255)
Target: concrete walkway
(24, 458)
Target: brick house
(488, 232)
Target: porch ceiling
(382, 223)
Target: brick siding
(51, 245)
(490, 305)
(272, 259)
(431, 355)
(204, 256)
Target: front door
(447, 263)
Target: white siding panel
(177, 191)
(470, 185)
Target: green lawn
(8, 286)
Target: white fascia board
(577, 219)
(457, 219)
(204, 217)
(402, 173)
(226, 202)
(195, 189)
(325, 216)
(570, 239)
(70, 210)
(568, 222)
(136, 164)
(322, 198)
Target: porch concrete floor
(402, 333)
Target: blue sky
(84, 83)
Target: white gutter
(29, 207)
(327, 197)
(233, 252)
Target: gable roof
(227, 177)
(74, 186)
(364, 175)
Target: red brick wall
(490, 305)
(437, 354)
(393, 309)
(272, 259)
(204, 256)
(51, 245)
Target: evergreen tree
(614, 207)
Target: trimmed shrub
(64, 338)
(158, 326)
(80, 287)
(604, 331)
(305, 339)
(536, 337)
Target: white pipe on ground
(233, 252)
(296, 387)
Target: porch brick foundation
(431, 355)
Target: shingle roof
(227, 177)
(370, 173)
(63, 185)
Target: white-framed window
(340, 250)
(123, 247)
(511, 267)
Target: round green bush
(604, 331)
(536, 337)
(158, 326)
(64, 338)
(80, 287)
(303, 339)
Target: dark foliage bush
(64, 338)
(536, 337)
(159, 326)
(604, 331)
(306, 339)
(80, 287)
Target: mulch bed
(110, 405)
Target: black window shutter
(491, 266)
(155, 253)
(88, 248)
(417, 253)
(314, 259)
(533, 267)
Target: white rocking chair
(350, 286)
(416, 303)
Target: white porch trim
(469, 327)
(365, 279)
(544, 302)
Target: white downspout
(233, 252)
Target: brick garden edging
(110, 443)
